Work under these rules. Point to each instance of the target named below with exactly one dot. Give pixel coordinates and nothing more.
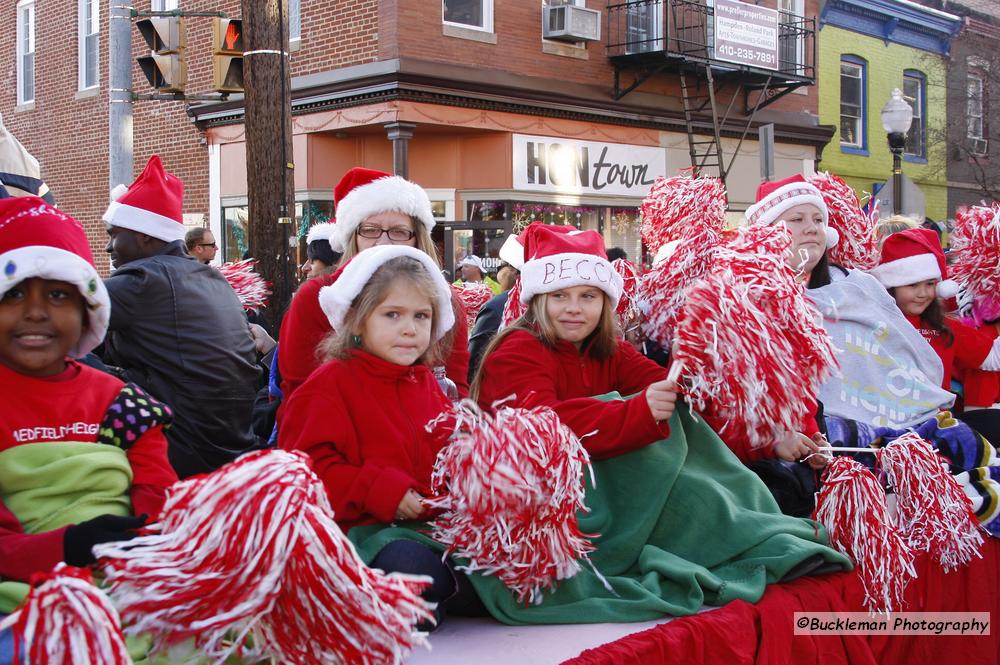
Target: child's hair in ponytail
(339, 343)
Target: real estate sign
(746, 34)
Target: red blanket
(763, 633)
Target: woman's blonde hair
(894, 224)
(600, 344)
(339, 343)
(424, 243)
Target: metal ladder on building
(705, 153)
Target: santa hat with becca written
(558, 257)
(38, 240)
(912, 256)
(153, 204)
(363, 192)
(776, 198)
(336, 299)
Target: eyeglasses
(396, 233)
(207, 244)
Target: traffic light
(227, 54)
(164, 67)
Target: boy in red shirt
(81, 453)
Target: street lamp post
(896, 118)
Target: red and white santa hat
(558, 257)
(38, 240)
(153, 204)
(776, 198)
(363, 192)
(912, 256)
(336, 299)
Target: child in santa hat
(321, 258)
(81, 452)
(912, 268)
(390, 310)
(373, 208)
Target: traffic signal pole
(119, 93)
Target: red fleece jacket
(305, 325)
(566, 380)
(968, 350)
(69, 407)
(361, 421)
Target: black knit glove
(80, 538)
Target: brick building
(500, 124)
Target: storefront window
(487, 211)
(236, 228)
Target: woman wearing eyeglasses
(373, 208)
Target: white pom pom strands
(675, 206)
(627, 312)
(853, 509)
(253, 550)
(510, 486)
(975, 250)
(745, 340)
(473, 296)
(252, 289)
(66, 620)
(513, 309)
(857, 246)
(932, 511)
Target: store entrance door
(456, 240)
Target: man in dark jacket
(177, 327)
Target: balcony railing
(684, 30)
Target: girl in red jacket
(81, 453)
(361, 415)
(565, 349)
(912, 268)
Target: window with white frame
(25, 51)
(294, 20)
(790, 36)
(90, 28)
(163, 5)
(475, 14)
(852, 103)
(914, 92)
(975, 84)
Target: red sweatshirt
(361, 421)
(968, 350)
(566, 380)
(305, 325)
(69, 407)
(979, 387)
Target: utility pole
(120, 93)
(268, 124)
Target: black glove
(80, 539)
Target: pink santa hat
(336, 299)
(38, 240)
(153, 204)
(558, 257)
(912, 256)
(363, 192)
(776, 198)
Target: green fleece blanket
(682, 524)
(52, 484)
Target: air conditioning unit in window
(571, 23)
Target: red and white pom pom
(66, 620)
(932, 510)
(673, 204)
(513, 309)
(628, 307)
(510, 486)
(253, 549)
(473, 296)
(858, 245)
(974, 260)
(252, 289)
(853, 509)
(747, 343)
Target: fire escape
(720, 97)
